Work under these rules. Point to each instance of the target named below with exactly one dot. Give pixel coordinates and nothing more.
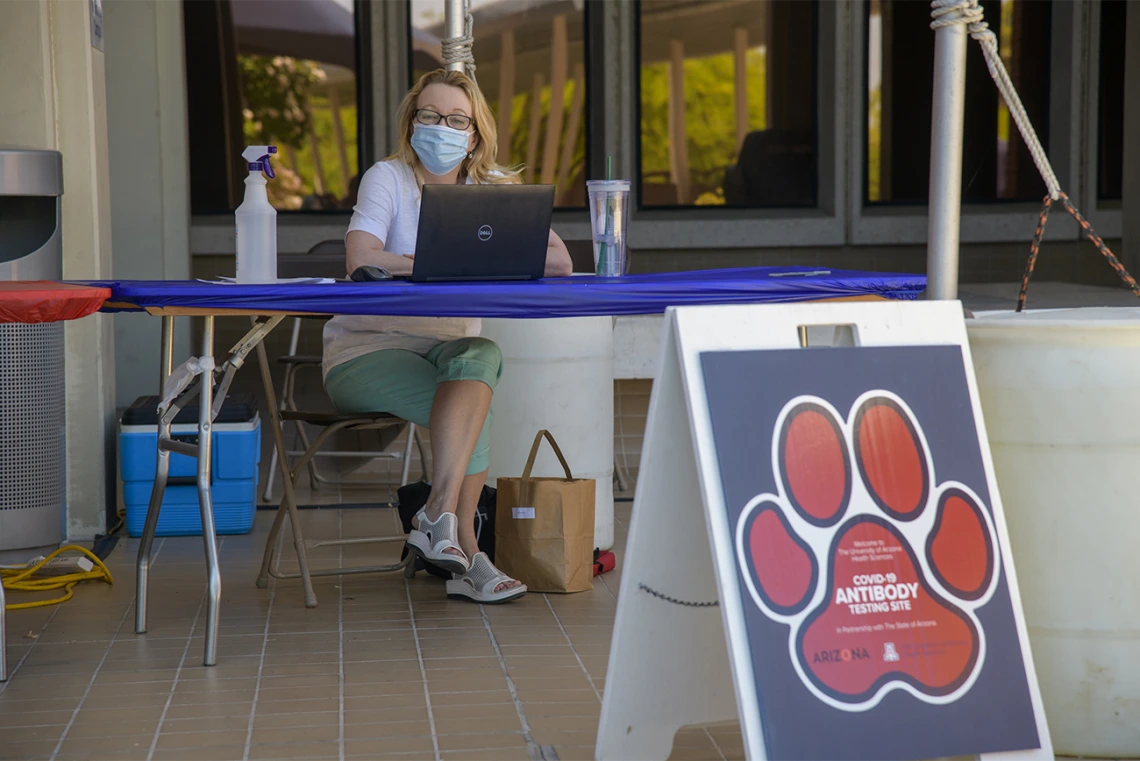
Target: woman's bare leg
(457, 415)
(469, 495)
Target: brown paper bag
(544, 528)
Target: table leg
(268, 558)
(286, 481)
(411, 431)
(205, 455)
(158, 491)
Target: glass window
(530, 65)
(285, 78)
(996, 165)
(728, 103)
(1110, 140)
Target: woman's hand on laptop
(365, 248)
(558, 262)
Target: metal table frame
(211, 386)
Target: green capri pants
(403, 383)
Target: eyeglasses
(456, 121)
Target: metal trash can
(32, 438)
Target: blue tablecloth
(552, 297)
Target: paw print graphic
(875, 567)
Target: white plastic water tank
(1060, 391)
(558, 375)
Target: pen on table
(806, 273)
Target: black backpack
(413, 497)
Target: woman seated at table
(434, 372)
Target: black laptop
(483, 232)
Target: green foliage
(275, 94)
(710, 119)
(335, 181)
(281, 106)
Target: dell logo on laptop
(485, 232)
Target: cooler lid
(238, 408)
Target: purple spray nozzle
(259, 155)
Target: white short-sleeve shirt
(388, 206)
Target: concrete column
(1130, 207)
(149, 155)
(53, 96)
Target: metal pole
(167, 353)
(158, 490)
(205, 500)
(454, 26)
(946, 162)
(289, 500)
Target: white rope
(458, 49)
(969, 13)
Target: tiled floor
(383, 669)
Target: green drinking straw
(607, 227)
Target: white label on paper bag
(522, 513)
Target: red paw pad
(877, 597)
(959, 523)
(780, 561)
(813, 463)
(891, 459)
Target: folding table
(268, 305)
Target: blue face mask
(439, 147)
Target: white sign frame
(668, 667)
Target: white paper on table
(280, 281)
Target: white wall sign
(818, 547)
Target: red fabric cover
(31, 301)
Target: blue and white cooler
(236, 455)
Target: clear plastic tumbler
(609, 218)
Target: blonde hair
(482, 165)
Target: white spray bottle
(257, 221)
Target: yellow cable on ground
(23, 581)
